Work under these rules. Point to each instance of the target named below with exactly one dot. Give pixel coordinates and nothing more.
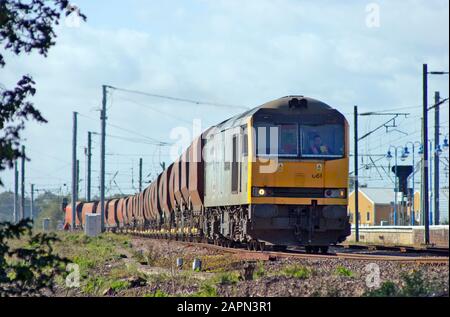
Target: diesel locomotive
(276, 175)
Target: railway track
(250, 255)
(401, 249)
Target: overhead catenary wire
(196, 102)
(155, 141)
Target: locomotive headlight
(261, 192)
(335, 193)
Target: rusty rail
(244, 254)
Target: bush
(414, 285)
(32, 268)
(387, 289)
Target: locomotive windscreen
(291, 140)
(322, 140)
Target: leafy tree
(25, 27)
(29, 270)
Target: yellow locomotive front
(298, 174)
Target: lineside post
(74, 171)
(356, 177)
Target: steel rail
(244, 254)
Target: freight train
(276, 175)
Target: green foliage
(343, 271)
(93, 253)
(414, 285)
(157, 293)
(207, 290)
(119, 285)
(296, 271)
(387, 289)
(94, 285)
(90, 252)
(97, 285)
(259, 272)
(227, 278)
(31, 269)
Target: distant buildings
(376, 207)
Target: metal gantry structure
(357, 139)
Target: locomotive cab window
(277, 140)
(322, 141)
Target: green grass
(260, 271)
(119, 285)
(343, 271)
(88, 252)
(92, 254)
(227, 278)
(96, 286)
(207, 290)
(157, 293)
(296, 271)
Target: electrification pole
(78, 178)
(102, 158)
(22, 187)
(32, 202)
(74, 170)
(89, 157)
(140, 175)
(356, 177)
(425, 197)
(437, 98)
(16, 191)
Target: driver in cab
(318, 147)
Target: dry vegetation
(118, 265)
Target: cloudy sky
(241, 53)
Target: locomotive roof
(300, 104)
